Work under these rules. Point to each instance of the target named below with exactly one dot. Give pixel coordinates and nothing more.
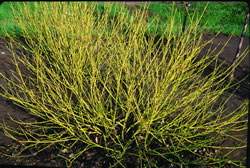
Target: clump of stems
(100, 80)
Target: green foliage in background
(224, 17)
(227, 18)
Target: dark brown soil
(95, 158)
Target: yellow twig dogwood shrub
(101, 81)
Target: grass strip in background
(224, 17)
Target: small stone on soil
(71, 155)
(64, 150)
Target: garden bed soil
(94, 158)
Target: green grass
(227, 18)
(7, 19)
